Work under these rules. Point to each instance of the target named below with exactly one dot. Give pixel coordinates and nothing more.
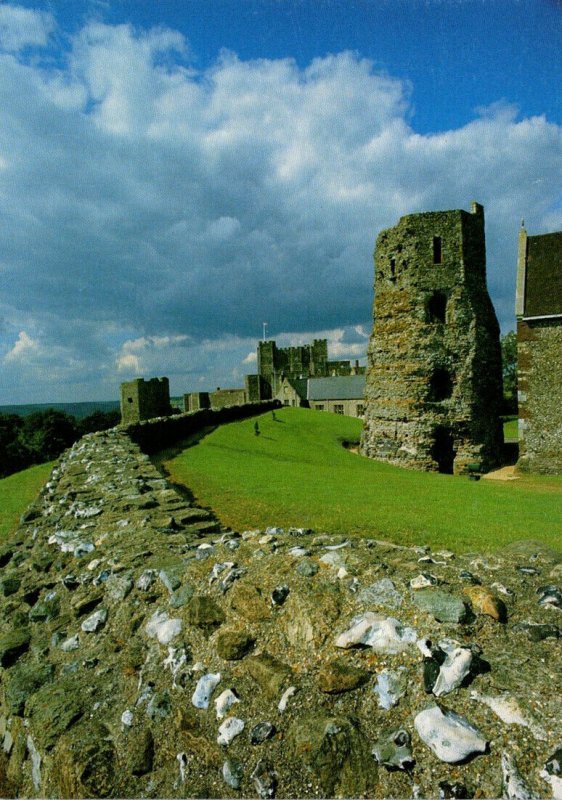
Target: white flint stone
(287, 694)
(333, 560)
(451, 737)
(35, 764)
(161, 627)
(95, 621)
(205, 687)
(72, 643)
(383, 634)
(508, 710)
(127, 718)
(175, 660)
(514, 787)
(390, 687)
(224, 702)
(424, 646)
(421, 582)
(230, 728)
(299, 551)
(454, 669)
(181, 758)
(555, 784)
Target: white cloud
(24, 347)
(24, 27)
(153, 216)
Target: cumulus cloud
(23, 27)
(154, 215)
(24, 347)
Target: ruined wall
(195, 401)
(539, 354)
(145, 651)
(222, 398)
(156, 434)
(434, 382)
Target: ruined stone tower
(434, 382)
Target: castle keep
(539, 351)
(434, 382)
(294, 363)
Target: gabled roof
(543, 278)
(299, 385)
(342, 387)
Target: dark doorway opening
(440, 386)
(437, 307)
(443, 450)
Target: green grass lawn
(510, 429)
(17, 491)
(296, 472)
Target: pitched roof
(299, 385)
(543, 284)
(342, 387)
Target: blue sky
(174, 173)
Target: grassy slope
(297, 473)
(17, 491)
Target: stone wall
(146, 651)
(156, 434)
(434, 382)
(539, 354)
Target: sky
(175, 173)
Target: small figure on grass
(273, 417)
(256, 428)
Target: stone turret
(142, 399)
(434, 384)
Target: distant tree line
(44, 435)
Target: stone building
(292, 392)
(434, 384)
(293, 363)
(340, 395)
(539, 351)
(142, 399)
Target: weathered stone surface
(393, 749)
(204, 613)
(338, 676)
(484, 601)
(122, 680)
(335, 753)
(12, 644)
(140, 745)
(444, 606)
(234, 645)
(55, 708)
(249, 602)
(434, 384)
(22, 681)
(269, 673)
